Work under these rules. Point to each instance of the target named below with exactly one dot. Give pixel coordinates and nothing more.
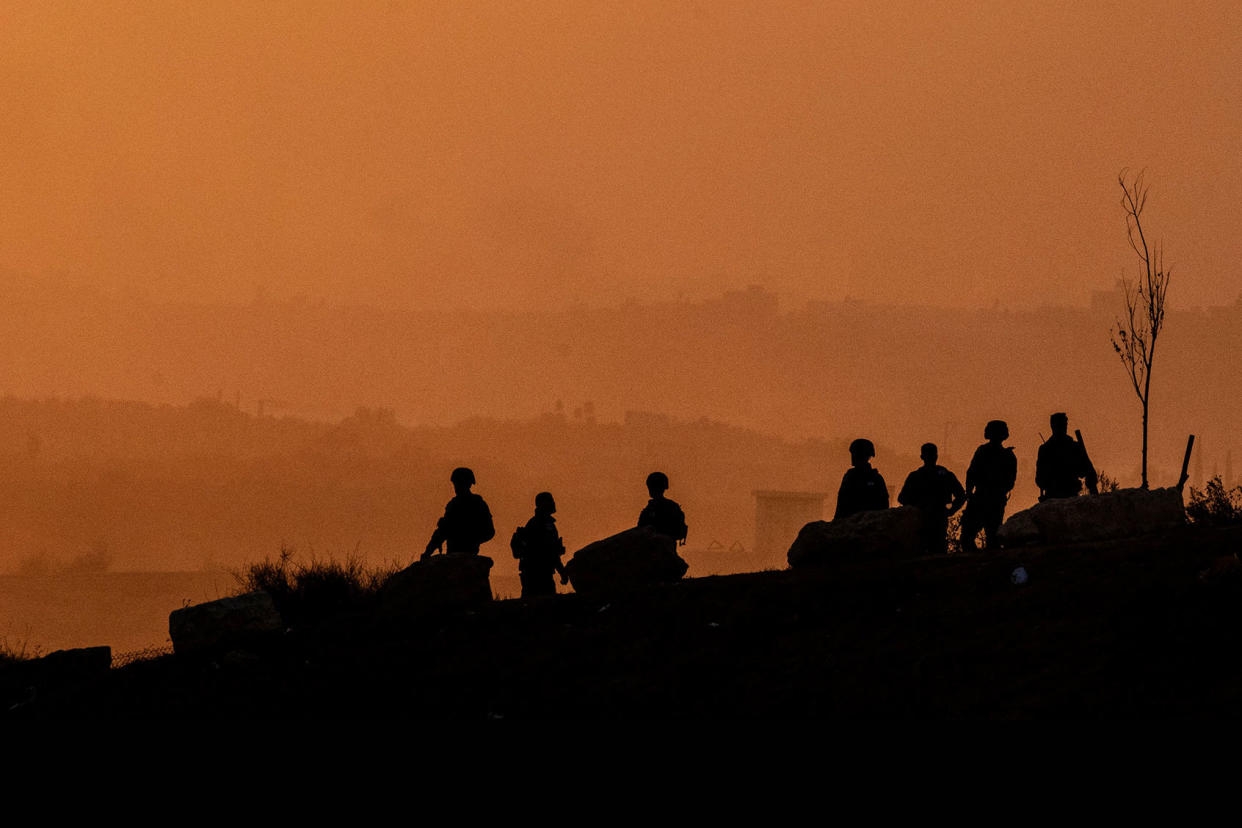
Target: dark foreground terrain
(1144, 628)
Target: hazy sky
(516, 154)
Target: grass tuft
(310, 591)
(13, 653)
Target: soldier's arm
(440, 535)
(1089, 476)
(957, 494)
(559, 550)
(903, 497)
(842, 494)
(972, 472)
(437, 540)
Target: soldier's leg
(969, 529)
(535, 584)
(935, 535)
(940, 541)
(995, 516)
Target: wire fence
(135, 656)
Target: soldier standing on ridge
(1062, 463)
(538, 548)
(862, 488)
(989, 480)
(662, 514)
(936, 492)
(467, 521)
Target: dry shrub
(316, 589)
(1214, 505)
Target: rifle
(1181, 481)
(1092, 485)
(1042, 495)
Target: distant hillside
(829, 370)
(93, 485)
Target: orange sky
(518, 154)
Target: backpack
(518, 542)
(486, 529)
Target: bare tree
(1134, 336)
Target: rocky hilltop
(1111, 628)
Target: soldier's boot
(966, 539)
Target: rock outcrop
(80, 662)
(223, 624)
(1124, 513)
(437, 585)
(21, 682)
(627, 559)
(882, 533)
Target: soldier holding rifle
(1062, 465)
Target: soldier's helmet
(544, 502)
(462, 476)
(996, 430)
(862, 446)
(657, 481)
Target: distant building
(1108, 300)
(647, 420)
(779, 516)
(752, 304)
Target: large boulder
(880, 533)
(61, 666)
(223, 624)
(21, 681)
(78, 663)
(440, 584)
(630, 558)
(1124, 513)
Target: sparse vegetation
(1106, 483)
(954, 534)
(1214, 505)
(13, 653)
(306, 592)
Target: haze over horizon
(270, 271)
(516, 155)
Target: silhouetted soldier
(538, 548)
(936, 492)
(660, 513)
(467, 521)
(862, 487)
(1062, 463)
(989, 480)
